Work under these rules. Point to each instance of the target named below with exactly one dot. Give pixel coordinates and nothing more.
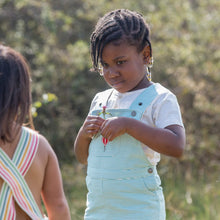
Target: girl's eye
(120, 62)
(104, 65)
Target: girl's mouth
(117, 84)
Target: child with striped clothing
(29, 170)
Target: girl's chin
(120, 87)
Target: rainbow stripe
(13, 172)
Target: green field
(188, 198)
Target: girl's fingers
(106, 130)
(95, 118)
(109, 135)
(92, 125)
(112, 128)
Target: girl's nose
(112, 72)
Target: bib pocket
(119, 144)
(97, 148)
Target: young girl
(28, 166)
(128, 126)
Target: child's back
(37, 175)
(29, 167)
(34, 177)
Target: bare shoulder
(44, 146)
(45, 152)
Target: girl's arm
(52, 189)
(169, 141)
(90, 127)
(81, 146)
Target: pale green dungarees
(122, 184)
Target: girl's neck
(144, 83)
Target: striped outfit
(12, 172)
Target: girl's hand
(113, 127)
(91, 126)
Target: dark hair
(15, 95)
(115, 25)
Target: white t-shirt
(163, 111)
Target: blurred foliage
(54, 35)
(54, 38)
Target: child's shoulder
(163, 96)
(103, 93)
(102, 96)
(30, 131)
(39, 138)
(160, 89)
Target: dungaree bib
(122, 184)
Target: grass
(188, 197)
(196, 199)
(75, 189)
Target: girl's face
(123, 66)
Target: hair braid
(116, 25)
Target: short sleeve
(167, 111)
(93, 103)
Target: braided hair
(116, 25)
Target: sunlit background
(54, 36)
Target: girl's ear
(146, 54)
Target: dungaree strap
(15, 186)
(144, 99)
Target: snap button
(150, 170)
(133, 113)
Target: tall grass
(197, 199)
(192, 197)
(75, 189)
